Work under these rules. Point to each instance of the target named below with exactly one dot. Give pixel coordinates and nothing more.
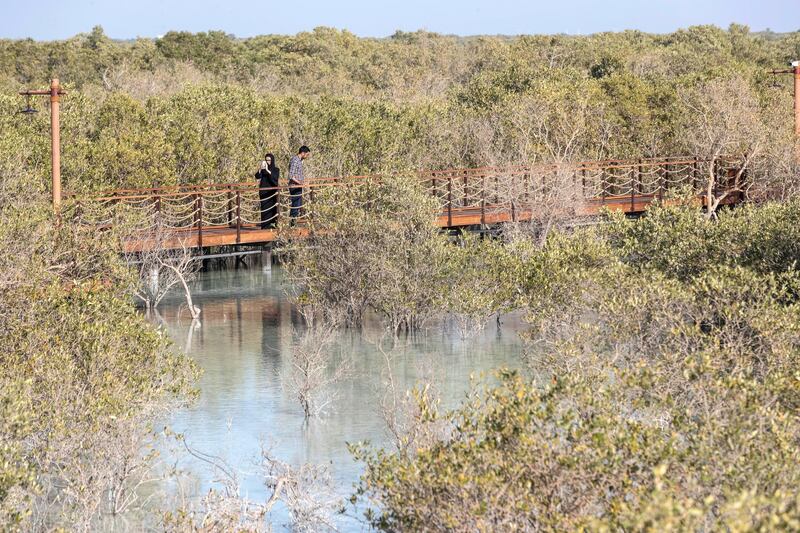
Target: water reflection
(243, 346)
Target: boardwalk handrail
(424, 175)
(465, 195)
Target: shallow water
(244, 346)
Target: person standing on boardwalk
(267, 178)
(296, 179)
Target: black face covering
(272, 166)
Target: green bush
(663, 394)
(82, 373)
(208, 105)
(374, 247)
(681, 243)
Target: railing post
(466, 195)
(229, 213)
(483, 200)
(695, 173)
(199, 202)
(662, 182)
(239, 216)
(639, 177)
(715, 168)
(158, 206)
(450, 202)
(602, 186)
(544, 183)
(583, 180)
(742, 188)
(308, 207)
(526, 180)
(637, 184)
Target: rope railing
(482, 191)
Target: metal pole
(55, 137)
(796, 70)
(229, 214)
(466, 199)
(55, 143)
(239, 215)
(199, 220)
(483, 200)
(450, 202)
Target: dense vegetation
(81, 373)
(374, 249)
(662, 390)
(205, 107)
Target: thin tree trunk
(195, 311)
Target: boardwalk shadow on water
(243, 346)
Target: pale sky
(58, 19)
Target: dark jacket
(266, 179)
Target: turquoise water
(243, 346)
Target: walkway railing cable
(483, 192)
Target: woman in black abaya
(268, 177)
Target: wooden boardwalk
(228, 214)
